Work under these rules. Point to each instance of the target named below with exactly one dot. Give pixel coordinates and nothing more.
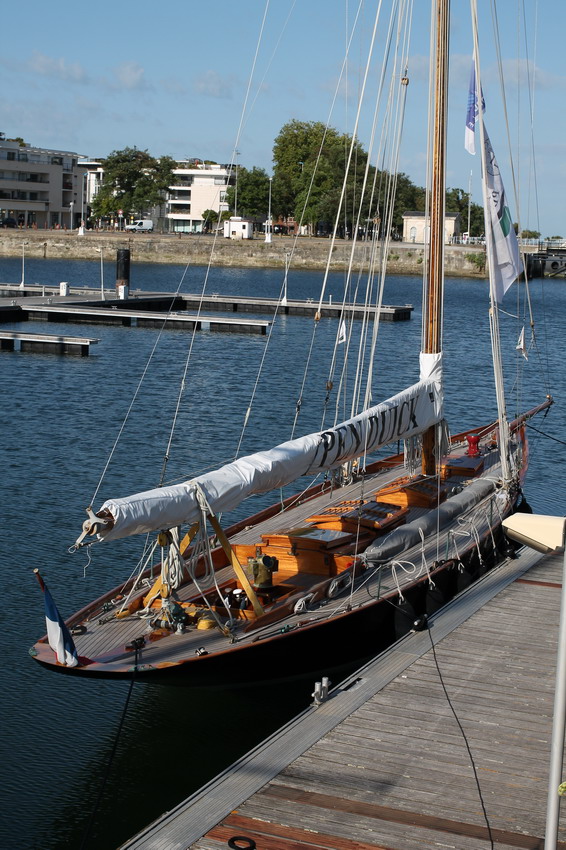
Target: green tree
(530, 234)
(133, 181)
(249, 195)
(210, 217)
(310, 163)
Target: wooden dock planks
(384, 764)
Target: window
(11, 155)
(23, 157)
(56, 160)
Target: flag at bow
(58, 634)
(505, 262)
(521, 346)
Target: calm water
(59, 419)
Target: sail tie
(476, 536)
(489, 525)
(424, 564)
(401, 565)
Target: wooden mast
(432, 320)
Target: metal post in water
(123, 273)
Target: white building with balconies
(198, 187)
(40, 187)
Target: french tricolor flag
(58, 634)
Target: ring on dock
(241, 842)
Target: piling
(122, 273)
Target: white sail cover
(404, 415)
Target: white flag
(521, 344)
(342, 333)
(472, 114)
(507, 264)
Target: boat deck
(101, 640)
(383, 764)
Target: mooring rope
(112, 753)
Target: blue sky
(93, 78)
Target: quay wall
(308, 253)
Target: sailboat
(337, 571)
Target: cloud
(212, 84)
(129, 76)
(47, 66)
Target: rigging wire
(96, 806)
(544, 434)
(530, 88)
(138, 387)
(293, 248)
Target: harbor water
(59, 422)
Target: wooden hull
(347, 639)
(290, 641)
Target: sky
(191, 80)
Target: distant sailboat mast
(434, 285)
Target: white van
(143, 225)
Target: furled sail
(404, 415)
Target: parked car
(9, 222)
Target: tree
(210, 217)
(310, 166)
(530, 234)
(133, 181)
(249, 196)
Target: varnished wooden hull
(347, 639)
(356, 629)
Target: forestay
(404, 415)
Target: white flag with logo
(507, 264)
(342, 333)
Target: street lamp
(71, 205)
(99, 251)
(83, 193)
(546, 534)
(236, 152)
(23, 264)
(268, 222)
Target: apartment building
(197, 187)
(40, 187)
